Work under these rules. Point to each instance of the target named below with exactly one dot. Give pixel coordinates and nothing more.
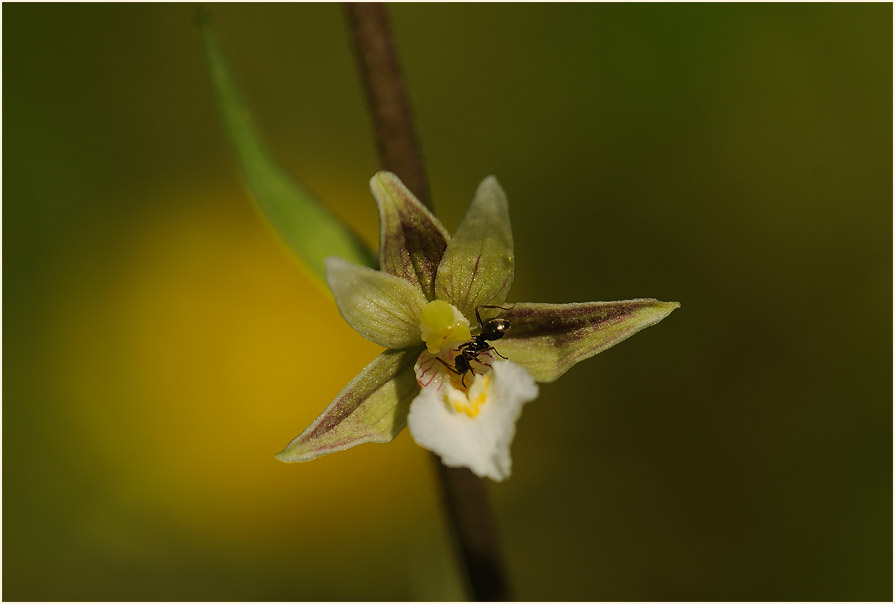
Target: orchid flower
(431, 294)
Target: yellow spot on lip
(470, 402)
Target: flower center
(442, 323)
(462, 391)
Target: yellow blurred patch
(194, 356)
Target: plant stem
(469, 513)
(396, 140)
(464, 495)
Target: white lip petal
(480, 442)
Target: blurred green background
(161, 345)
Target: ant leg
(448, 365)
(463, 379)
(491, 349)
(481, 362)
(478, 317)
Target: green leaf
(371, 409)
(548, 339)
(383, 308)
(411, 240)
(477, 267)
(303, 222)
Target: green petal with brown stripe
(371, 409)
(548, 339)
(411, 240)
(478, 264)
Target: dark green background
(160, 347)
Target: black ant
(490, 330)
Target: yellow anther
(442, 323)
(437, 314)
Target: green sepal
(548, 339)
(411, 240)
(477, 267)
(302, 221)
(383, 308)
(371, 409)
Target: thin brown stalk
(465, 495)
(396, 141)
